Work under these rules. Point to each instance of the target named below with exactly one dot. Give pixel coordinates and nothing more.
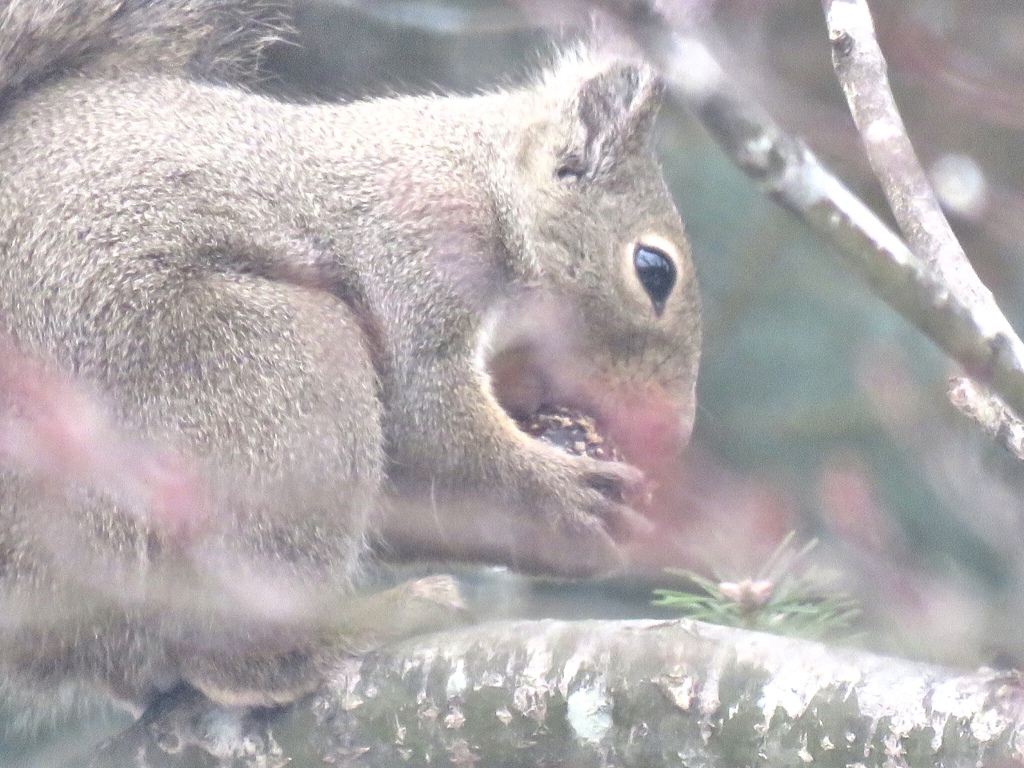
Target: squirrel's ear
(608, 115)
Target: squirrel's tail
(210, 39)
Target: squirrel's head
(605, 314)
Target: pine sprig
(788, 596)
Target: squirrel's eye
(656, 273)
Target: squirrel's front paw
(609, 492)
(588, 507)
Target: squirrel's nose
(650, 425)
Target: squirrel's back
(210, 39)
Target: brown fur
(307, 302)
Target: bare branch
(988, 411)
(861, 70)
(630, 693)
(862, 73)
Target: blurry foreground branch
(630, 693)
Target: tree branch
(628, 693)
(862, 73)
(989, 412)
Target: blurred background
(821, 410)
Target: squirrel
(336, 314)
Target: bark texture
(630, 693)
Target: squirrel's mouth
(546, 410)
(570, 430)
(555, 395)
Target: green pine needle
(786, 597)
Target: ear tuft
(607, 112)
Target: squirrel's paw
(611, 491)
(587, 504)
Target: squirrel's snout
(650, 425)
(567, 404)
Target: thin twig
(989, 412)
(861, 70)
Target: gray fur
(221, 40)
(309, 302)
